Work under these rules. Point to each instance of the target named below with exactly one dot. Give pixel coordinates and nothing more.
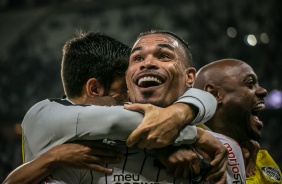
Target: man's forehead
(156, 39)
(239, 72)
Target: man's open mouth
(255, 114)
(149, 81)
(257, 108)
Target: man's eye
(137, 58)
(250, 84)
(163, 56)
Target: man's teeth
(260, 106)
(148, 79)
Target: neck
(225, 127)
(97, 100)
(78, 100)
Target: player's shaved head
(216, 73)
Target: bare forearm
(40, 168)
(187, 113)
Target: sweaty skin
(240, 99)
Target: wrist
(186, 112)
(51, 159)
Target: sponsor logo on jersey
(132, 179)
(233, 164)
(271, 172)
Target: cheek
(128, 84)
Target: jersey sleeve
(50, 123)
(204, 101)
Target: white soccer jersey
(54, 122)
(235, 162)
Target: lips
(257, 108)
(149, 79)
(148, 82)
(255, 112)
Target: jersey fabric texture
(53, 122)
(235, 162)
(266, 171)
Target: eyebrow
(253, 76)
(162, 45)
(135, 49)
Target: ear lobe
(190, 76)
(215, 91)
(94, 88)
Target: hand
(250, 150)
(214, 151)
(179, 161)
(79, 154)
(160, 126)
(86, 155)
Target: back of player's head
(92, 55)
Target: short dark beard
(146, 99)
(158, 103)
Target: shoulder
(267, 170)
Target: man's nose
(261, 92)
(149, 62)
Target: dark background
(34, 31)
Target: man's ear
(94, 88)
(190, 76)
(215, 91)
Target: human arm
(56, 121)
(203, 101)
(80, 154)
(179, 161)
(162, 125)
(208, 147)
(250, 150)
(213, 150)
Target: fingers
(184, 171)
(221, 179)
(219, 166)
(99, 168)
(181, 163)
(134, 137)
(178, 172)
(246, 153)
(250, 149)
(148, 143)
(136, 107)
(217, 171)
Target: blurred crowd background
(33, 32)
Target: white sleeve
(204, 101)
(49, 123)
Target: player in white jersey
(53, 117)
(56, 121)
